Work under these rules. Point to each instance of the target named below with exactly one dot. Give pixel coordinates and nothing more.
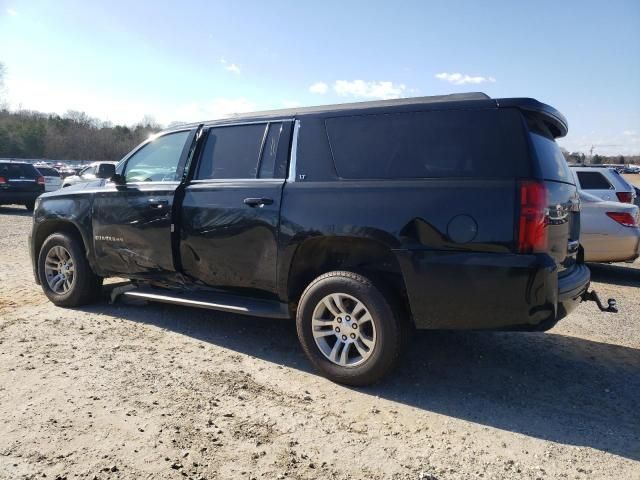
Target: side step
(213, 301)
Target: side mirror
(106, 170)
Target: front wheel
(65, 274)
(348, 328)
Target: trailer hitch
(592, 296)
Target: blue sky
(194, 60)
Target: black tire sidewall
(85, 285)
(388, 342)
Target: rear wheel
(64, 272)
(348, 328)
(30, 205)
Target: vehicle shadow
(15, 210)
(559, 388)
(615, 274)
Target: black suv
(20, 183)
(361, 220)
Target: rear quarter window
(441, 143)
(550, 160)
(593, 181)
(48, 172)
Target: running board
(213, 301)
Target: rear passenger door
(231, 209)
(596, 184)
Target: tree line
(581, 158)
(72, 136)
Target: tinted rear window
(451, 143)
(551, 163)
(48, 172)
(231, 152)
(18, 170)
(593, 181)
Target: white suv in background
(605, 183)
(87, 174)
(52, 179)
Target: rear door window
(593, 181)
(270, 151)
(231, 152)
(448, 143)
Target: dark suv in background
(360, 220)
(20, 183)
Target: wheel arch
(321, 254)
(49, 227)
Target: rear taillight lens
(625, 197)
(624, 219)
(3, 180)
(40, 180)
(532, 233)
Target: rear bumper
(466, 291)
(10, 197)
(571, 287)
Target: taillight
(623, 218)
(532, 233)
(625, 197)
(40, 180)
(3, 180)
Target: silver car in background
(52, 178)
(605, 183)
(609, 231)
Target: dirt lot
(633, 179)
(153, 391)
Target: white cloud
(630, 133)
(319, 87)
(51, 98)
(12, 12)
(362, 89)
(233, 68)
(462, 79)
(230, 67)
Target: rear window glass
(593, 181)
(18, 170)
(448, 143)
(48, 172)
(551, 162)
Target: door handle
(258, 202)
(152, 203)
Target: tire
(84, 285)
(30, 205)
(364, 365)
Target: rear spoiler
(556, 122)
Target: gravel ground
(154, 391)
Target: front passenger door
(132, 223)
